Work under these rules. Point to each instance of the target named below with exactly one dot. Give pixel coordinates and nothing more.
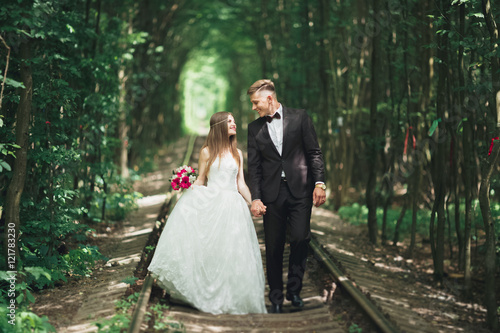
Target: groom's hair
(261, 85)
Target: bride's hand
(258, 209)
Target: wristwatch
(321, 186)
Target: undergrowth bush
(56, 268)
(118, 203)
(15, 299)
(357, 214)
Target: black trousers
(286, 212)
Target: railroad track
(316, 316)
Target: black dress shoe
(296, 300)
(276, 308)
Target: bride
(208, 254)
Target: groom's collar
(280, 110)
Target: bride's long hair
(218, 140)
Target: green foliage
(354, 328)
(161, 323)
(118, 205)
(149, 248)
(121, 320)
(357, 214)
(6, 149)
(71, 166)
(54, 268)
(79, 262)
(125, 304)
(130, 280)
(203, 85)
(25, 321)
(15, 315)
(117, 324)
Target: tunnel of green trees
(404, 96)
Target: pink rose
(185, 182)
(175, 183)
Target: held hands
(258, 209)
(319, 196)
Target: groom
(286, 177)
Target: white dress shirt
(276, 132)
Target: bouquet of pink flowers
(183, 177)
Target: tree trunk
(431, 230)
(328, 119)
(7, 59)
(388, 184)
(489, 166)
(398, 223)
(411, 113)
(468, 173)
(97, 25)
(415, 201)
(424, 83)
(467, 167)
(440, 155)
(489, 226)
(123, 128)
(371, 199)
(16, 186)
(387, 202)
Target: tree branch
(6, 69)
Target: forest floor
(438, 304)
(383, 273)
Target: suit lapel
(286, 120)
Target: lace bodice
(223, 176)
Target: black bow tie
(275, 115)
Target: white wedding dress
(208, 253)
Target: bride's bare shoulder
(204, 153)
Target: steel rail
(371, 310)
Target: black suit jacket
(301, 157)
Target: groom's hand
(258, 209)
(319, 197)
